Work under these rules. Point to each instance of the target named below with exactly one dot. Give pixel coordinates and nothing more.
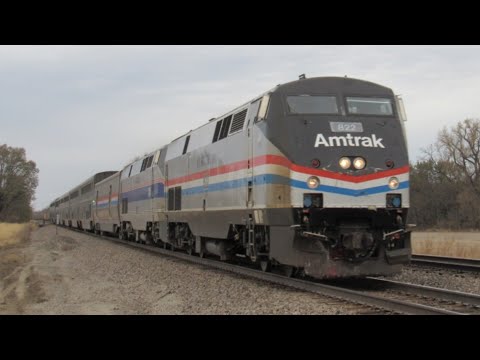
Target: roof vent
(302, 77)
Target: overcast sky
(78, 110)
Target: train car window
(126, 172)
(136, 167)
(369, 106)
(217, 131)
(149, 161)
(87, 188)
(225, 127)
(178, 198)
(175, 198)
(312, 104)
(185, 147)
(144, 164)
(401, 108)
(171, 199)
(157, 157)
(103, 175)
(263, 109)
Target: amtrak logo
(349, 140)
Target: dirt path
(61, 272)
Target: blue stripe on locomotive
(159, 189)
(282, 180)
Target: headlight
(359, 163)
(313, 182)
(393, 183)
(344, 163)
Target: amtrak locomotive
(310, 177)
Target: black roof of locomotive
(332, 84)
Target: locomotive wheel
(265, 265)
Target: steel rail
(447, 262)
(429, 291)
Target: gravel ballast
(66, 272)
(442, 278)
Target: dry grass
(11, 234)
(452, 244)
(445, 243)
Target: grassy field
(14, 233)
(452, 244)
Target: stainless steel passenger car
(75, 208)
(105, 211)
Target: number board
(346, 127)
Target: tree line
(445, 182)
(18, 181)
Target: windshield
(307, 104)
(369, 106)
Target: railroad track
(449, 300)
(447, 262)
(380, 304)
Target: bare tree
(433, 197)
(457, 153)
(18, 181)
